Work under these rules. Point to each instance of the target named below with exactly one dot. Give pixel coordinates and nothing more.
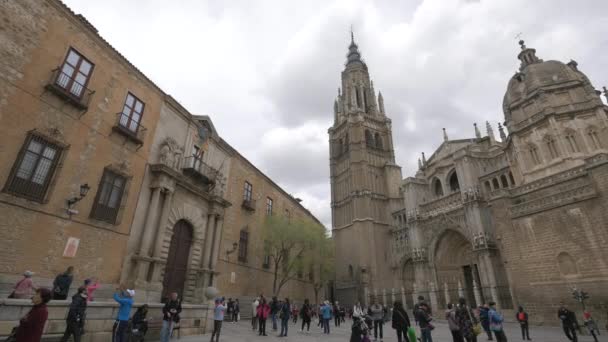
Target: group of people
(25, 287)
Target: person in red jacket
(263, 312)
(31, 325)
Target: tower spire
(527, 56)
(445, 135)
(501, 131)
(490, 131)
(353, 56)
(477, 132)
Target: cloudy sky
(267, 71)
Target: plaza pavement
(241, 332)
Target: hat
(28, 274)
(131, 292)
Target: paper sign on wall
(71, 247)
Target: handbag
(476, 327)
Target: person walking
(263, 312)
(306, 313)
(294, 313)
(377, 313)
(62, 283)
(496, 320)
(32, 324)
(420, 301)
(358, 310)
(230, 308)
(218, 317)
(400, 322)
(569, 323)
(25, 288)
(326, 314)
(236, 310)
(254, 313)
(424, 318)
(589, 322)
(358, 330)
(522, 318)
(76, 316)
(171, 311)
(485, 320)
(337, 314)
(274, 309)
(450, 316)
(91, 284)
(285, 315)
(466, 320)
(124, 297)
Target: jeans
(500, 336)
(425, 335)
(284, 326)
(337, 321)
(307, 323)
(525, 331)
(72, 329)
(119, 331)
(165, 331)
(570, 332)
(217, 328)
(378, 326)
(273, 317)
(402, 335)
(326, 325)
(262, 324)
(235, 316)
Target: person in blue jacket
(326, 312)
(125, 302)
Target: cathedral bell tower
(364, 184)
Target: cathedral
(519, 217)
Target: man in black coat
(76, 316)
(62, 283)
(171, 310)
(569, 323)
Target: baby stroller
(138, 326)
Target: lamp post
(580, 296)
(84, 189)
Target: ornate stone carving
(170, 153)
(419, 255)
(483, 241)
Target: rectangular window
(243, 240)
(266, 261)
(34, 168)
(268, 206)
(109, 197)
(247, 195)
(75, 74)
(131, 114)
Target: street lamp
(580, 296)
(235, 245)
(84, 189)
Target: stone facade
(183, 187)
(519, 220)
(242, 270)
(57, 134)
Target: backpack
(521, 316)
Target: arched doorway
(455, 265)
(177, 259)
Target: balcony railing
(196, 168)
(132, 129)
(248, 204)
(69, 89)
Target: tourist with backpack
(400, 321)
(522, 318)
(62, 283)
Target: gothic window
(503, 181)
(595, 141)
(437, 188)
(571, 141)
(488, 186)
(369, 138)
(358, 97)
(243, 242)
(511, 178)
(364, 99)
(454, 185)
(550, 142)
(534, 156)
(495, 183)
(34, 168)
(378, 140)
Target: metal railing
(133, 129)
(195, 166)
(68, 88)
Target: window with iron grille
(266, 261)
(131, 114)
(109, 197)
(268, 206)
(75, 74)
(243, 241)
(248, 192)
(34, 168)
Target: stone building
(176, 232)
(75, 115)
(244, 269)
(519, 220)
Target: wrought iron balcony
(66, 87)
(196, 168)
(248, 204)
(132, 129)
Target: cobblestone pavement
(241, 332)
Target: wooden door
(176, 269)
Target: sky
(267, 71)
